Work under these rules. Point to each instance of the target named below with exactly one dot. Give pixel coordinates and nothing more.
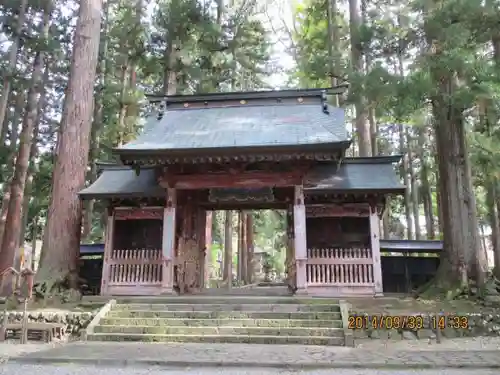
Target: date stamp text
(407, 322)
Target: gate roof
(355, 175)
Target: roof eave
(98, 196)
(197, 152)
(382, 191)
(385, 159)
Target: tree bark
(414, 187)
(426, 191)
(33, 166)
(228, 248)
(62, 234)
(361, 124)
(406, 182)
(462, 255)
(170, 74)
(97, 123)
(11, 67)
(34, 235)
(491, 198)
(11, 161)
(13, 222)
(333, 45)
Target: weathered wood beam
(228, 180)
(375, 247)
(300, 240)
(338, 210)
(132, 213)
(108, 250)
(168, 242)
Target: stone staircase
(222, 319)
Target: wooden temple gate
(285, 151)
(155, 250)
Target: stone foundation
(75, 321)
(478, 324)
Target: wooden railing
(350, 267)
(139, 267)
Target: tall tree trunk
(122, 113)
(361, 124)
(13, 222)
(493, 186)
(228, 248)
(414, 186)
(372, 121)
(33, 166)
(406, 181)
(62, 234)
(97, 123)
(333, 45)
(170, 75)
(491, 198)
(34, 235)
(426, 191)
(462, 256)
(386, 220)
(11, 162)
(11, 67)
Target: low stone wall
(377, 326)
(75, 321)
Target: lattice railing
(340, 267)
(135, 267)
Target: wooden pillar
(168, 242)
(375, 247)
(108, 249)
(244, 248)
(208, 247)
(300, 242)
(239, 268)
(202, 244)
(290, 257)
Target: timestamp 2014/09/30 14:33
(409, 322)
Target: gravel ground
(16, 369)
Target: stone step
(223, 315)
(271, 290)
(159, 322)
(224, 331)
(230, 339)
(285, 308)
(219, 300)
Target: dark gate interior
(138, 234)
(325, 232)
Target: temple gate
(243, 151)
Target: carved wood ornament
(229, 180)
(348, 210)
(139, 214)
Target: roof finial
(324, 104)
(162, 106)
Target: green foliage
(230, 50)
